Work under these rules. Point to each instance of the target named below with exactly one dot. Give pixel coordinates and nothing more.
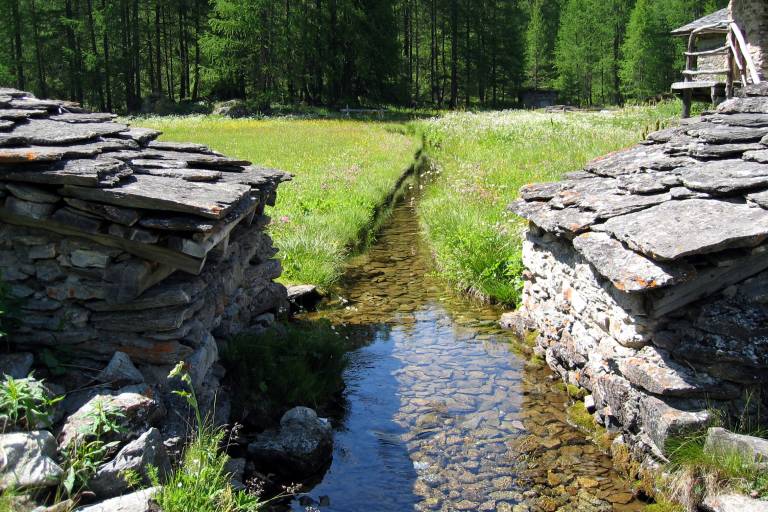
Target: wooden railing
(739, 58)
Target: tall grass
(484, 158)
(343, 170)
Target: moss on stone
(583, 420)
(575, 392)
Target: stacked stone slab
(646, 275)
(114, 241)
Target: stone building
(112, 241)
(647, 276)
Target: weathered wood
(695, 72)
(156, 193)
(736, 31)
(156, 253)
(703, 53)
(100, 172)
(201, 245)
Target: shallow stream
(441, 411)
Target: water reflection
(441, 413)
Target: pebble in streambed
(441, 414)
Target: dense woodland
(132, 55)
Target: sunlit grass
(343, 170)
(485, 158)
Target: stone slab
(124, 216)
(18, 114)
(746, 120)
(29, 193)
(153, 192)
(760, 155)
(99, 172)
(626, 269)
(759, 198)
(725, 176)
(186, 147)
(541, 191)
(94, 117)
(51, 133)
(676, 229)
(729, 134)
(754, 105)
(141, 135)
(568, 220)
(733, 503)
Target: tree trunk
(18, 54)
(455, 53)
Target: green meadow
(345, 169)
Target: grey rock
(733, 503)
(589, 403)
(759, 198)
(16, 365)
(304, 296)
(158, 193)
(654, 370)
(627, 270)
(96, 117)
(760, 156)
(186, 147)
(120, 371)
(137, 456)
(666, 418)
(51, 133)
(178, 223)
(302, 446)
(98, 172)
(28, 208)
(747, 120)
(165, 319)
(89, 259)
(723, 443)
(541, 191)
(725, 176)
(141, 135)
(647, 182)
(123, 216)
(756, 105)
(729, 134)
(139, 413)
(676, 229)
(567, 220)
(139, 501)
(34, 194)
(236, 469)
(42, 252)
(27, 460)
(78, 219)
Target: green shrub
(298, 363)
(699, 471)
(91, 449)
(25, 403)
(201, 483)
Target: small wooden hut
(706, 71)
(726, 49)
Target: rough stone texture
(139, 501)
(148, 450)
(723, 443)
(647, 277)
(120, 371)
(301, 446)
(733, 503)
(16, 365)
(27, 460)
(138, 413)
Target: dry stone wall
(113, 241)
(646, 276)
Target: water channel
(441, 411)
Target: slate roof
(79, 173)
(720, 18)
(685, 201)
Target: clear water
(442, 412)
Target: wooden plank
(736, 31)
(201, 245)
(163, 255)
(210, 200)
(705, 72)
(703, 53)
(703, 84)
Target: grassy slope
(484, 159)
(343, 170)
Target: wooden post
(687, 100)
